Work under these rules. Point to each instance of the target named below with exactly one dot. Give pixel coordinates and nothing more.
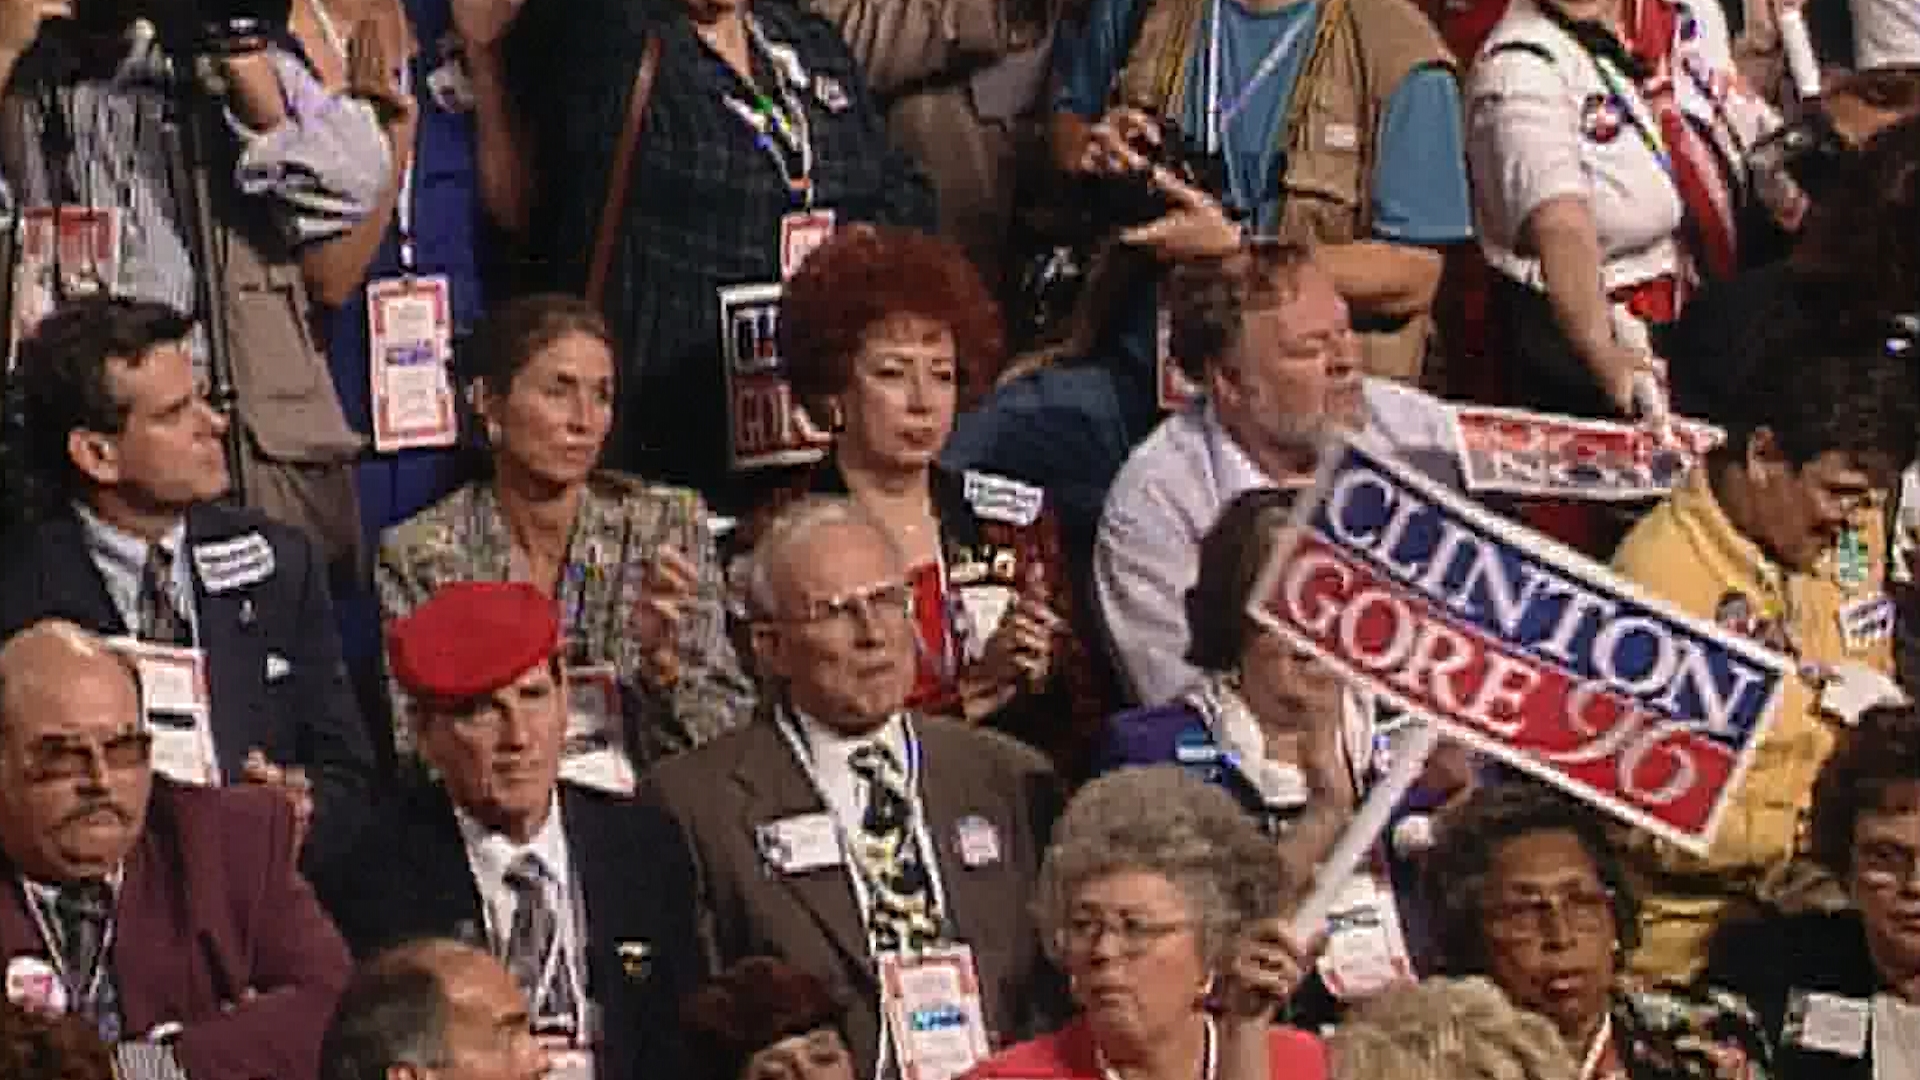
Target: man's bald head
(433, 1005)
(75, 756)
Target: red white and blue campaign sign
(1519, 647)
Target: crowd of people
(717, 538)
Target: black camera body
(1122, 202)
(229, 26)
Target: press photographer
(181, 152)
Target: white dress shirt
(121, 558)
(831, 752)
(1896, 1039)
(1886, 33)
(491, 854)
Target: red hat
(471, 638)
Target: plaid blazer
(621, 521)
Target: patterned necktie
(83, 910)
(160, 618)
(903, 916)
(534, 940)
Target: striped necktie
(535, 953)
(161, 621)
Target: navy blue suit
(410, 878)
(274, 674)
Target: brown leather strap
(614, 208)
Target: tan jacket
(1362, 50)
(722, 794)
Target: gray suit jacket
(721, 793)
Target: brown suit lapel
(774, 787)
(952, 791)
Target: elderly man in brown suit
(844, 834)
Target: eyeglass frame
(1565, 903)
(865, 603)
(1136, 936)
(98, 755)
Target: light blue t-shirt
(1419, 192)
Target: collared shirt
(121, 558)
(1687, 552)
(1896, 1038)
(1166, 497)
(491, 854)
(832, 751)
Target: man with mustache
(123, 449)
(1267, 337)
(843, 833)
(587, 897)
(172, 918)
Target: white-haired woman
(1448, 1029)
(1159, 897)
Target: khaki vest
(1362, 49)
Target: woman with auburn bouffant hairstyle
(881, 330)
(762, 1019)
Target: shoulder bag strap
(614, 207)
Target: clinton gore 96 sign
(1519, 647)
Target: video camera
(1130, 199)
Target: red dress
(1068, 1054)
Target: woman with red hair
(882, 330)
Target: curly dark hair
(867, 274)
(35, 1046)
(1861, 231)
(1232, 555)
(1878, 755)
(61, 382)
(1821, 382)
(1457, 868)
(750, 1006)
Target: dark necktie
(83, 910)
(903, 916)
(160, 619)
(535, 939)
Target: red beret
(471, 638)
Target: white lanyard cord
(1220, 114)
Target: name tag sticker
(800, 843)
(224, 565)
(1827, 1023)
(977, 841)
(1867, 621)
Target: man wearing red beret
(886, 853)
(586, 896)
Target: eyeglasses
(1135, 935)
(1532, 918)
(1886, 866)
(63, 758)
(892, 599)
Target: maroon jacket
(211, 906)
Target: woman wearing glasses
(1859, 966)
(881, 330)
(1532, 895)
(1160, 899)
(631, 564)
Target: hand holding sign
(1263, 972)
(1019, 652)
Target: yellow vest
(1687, 552)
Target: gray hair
(1448, 1029)
(1162, 820)
(789, 529)
(393, 1012)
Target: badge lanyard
(1630, 104)
(785, 122)
(403, 201)
(1220, 113)
(863, 887)
(87, 991)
